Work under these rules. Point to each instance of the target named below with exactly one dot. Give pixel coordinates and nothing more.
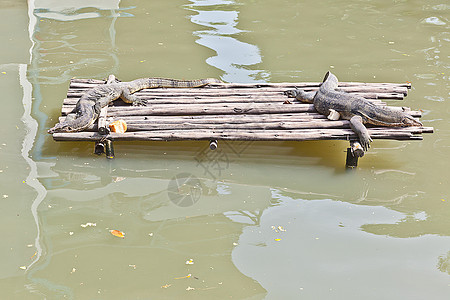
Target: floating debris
(278, 228)
(187, 276)
(117, 233)
(88, 224)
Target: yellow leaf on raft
(117, 233)
(119, 126)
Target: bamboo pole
(214, 91)
(407, 133)
(238, 126)
(236, 109)
(199, 109)
(86, 83)
(176, 99)
(212, 119)
(70, 103)
(102, 124)
(221, 119)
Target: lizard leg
(127, 97)
(358, 127)
(334, 115)
(301, 95)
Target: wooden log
(237, 126)
(99, 147)
(240, 92)
(212, 119)
(235, 109)
(109, 149)
(186, 125)
(86, 83)
(71, 102)
(220, 119)
(198, 109)
(241, 126)
(302, 84)
(239, 105)
(250, 135)
(213, 144)
(356, 149)
(176, 99)
(102, 124)
(354, 152)
(351, 161)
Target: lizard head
(61, 127)
(408, 121)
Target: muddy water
(278, 220)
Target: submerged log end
(357, 149)
(213, 144)
(109, 149)
(353, 153)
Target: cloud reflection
(236, 58)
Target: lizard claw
(140, 102)
(365, 142)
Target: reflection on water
(444, 263)
(330, 250)
(57, 31)
(236, 58)
(71, 10)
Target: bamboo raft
(233, 111)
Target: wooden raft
(229, 111)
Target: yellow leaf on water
(117, 233)
(187, 276)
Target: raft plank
(251, 135)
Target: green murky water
(278, 220)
